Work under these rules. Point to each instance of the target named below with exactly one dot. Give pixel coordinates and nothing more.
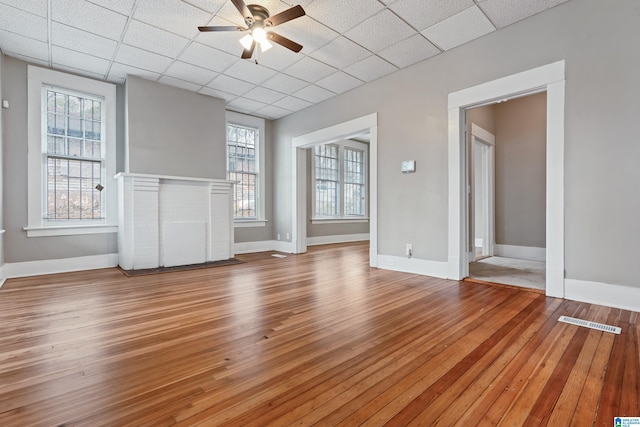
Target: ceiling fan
(259, 23)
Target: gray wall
(17, 246)
(597, 40)
(520, 171)
(171, 131)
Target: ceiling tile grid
(345, 43)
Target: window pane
(327, 181)
(242, 167)
(354, 196)
(71, 192)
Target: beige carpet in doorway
(509, 271)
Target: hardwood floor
(314, 339)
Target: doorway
(550, 78)
(342, 131)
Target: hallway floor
(509, 271)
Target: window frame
(39, 79)
(342, 218)
(243, 120)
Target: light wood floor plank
(319, 338)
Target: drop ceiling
(347, 43)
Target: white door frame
(547, 77)
(341, 131)
(487, 139)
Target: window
(71, 160)
(73, 155)
(241, 149)
(245, 165)
(340, 181)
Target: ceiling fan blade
(222, 28)
(248, 53)
(242, 8)
(283, 41)
(287, 15)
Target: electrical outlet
(409, 250)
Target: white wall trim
(414, 265)
(330, 134)
(64, 265)
(618, 296)
(262, 246)
(338, 238)
(550, 77)
(520, 252)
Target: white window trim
(239, 119)
(37, 225)
(356, 145)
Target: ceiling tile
(309, 69)
(211, 6)
(139, 58)
(230, 85)
(217, 94)
(409, 51)
(342, 15)
(313, 93)
(265, 95)
(308, 32)
(89, 17)
(249, 72)
(370, 68)
(119, 72)
(27, 58)
(78, 60)
(380, 31)
(72, 38)
(208, 57)
(23, 23)
(171, 81)
(459, 29)
(339, 82)
(277, 58)
(340, 53)
(272, 112)
(244, 105)
(292, 103)
(121, 6)
(11, 42)
(505, 12)
(422, 14)
(191, 73)
(184, 18)
(154, 39)
(284, 83)
(37, 7)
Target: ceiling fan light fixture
(259, 35)
(246, 41)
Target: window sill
(338, 220)
(250, 223)
(70, 230)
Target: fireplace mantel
(166, 221)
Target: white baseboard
(414, 265)
(338, 238)
(262, 246)
(64, 265)
(521, 252)
(618, 296)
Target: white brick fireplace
(166, 221)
